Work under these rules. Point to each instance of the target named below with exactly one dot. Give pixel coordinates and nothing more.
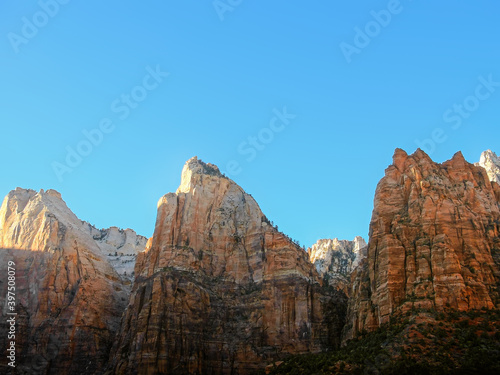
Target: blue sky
(351, 81)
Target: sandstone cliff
(434, 242)
(218, 289)
(69, 299)
(336, 259)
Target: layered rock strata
(434, 242)
(68, 298)
(218, 289)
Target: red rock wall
(69, 301)
(434, 242)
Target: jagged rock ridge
(219, 290)
(434, 242)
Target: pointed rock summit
(399, 158)
(193, 171)
(219, 290)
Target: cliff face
(434, 242)
(69, 299)
(218, 289)
(336, 259)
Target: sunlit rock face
(219, 290)
(336, 259)
(69, 299)
(491, 162)
(434, 242)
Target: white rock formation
(491, 162)
(120, 246)
(336, 259)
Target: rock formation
(69, 299)
(119, 246)
(336, 259)
(434, 242)
(218, 289)
(491, 162)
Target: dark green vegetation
(418, 342)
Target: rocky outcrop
(434, 242)
(491, 162)
(336, 259)
(119, 246)
(218, 289)
(69, 299)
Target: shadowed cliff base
(423, 342)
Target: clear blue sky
(229, 69)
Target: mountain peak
(199, 166)
(21, 194)
(457, 161)
(53, 193)
(489, 153)
(17, 200)
(489, 156)
(193, 169)
(458, 156)
(421, 155)
(399, 158)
